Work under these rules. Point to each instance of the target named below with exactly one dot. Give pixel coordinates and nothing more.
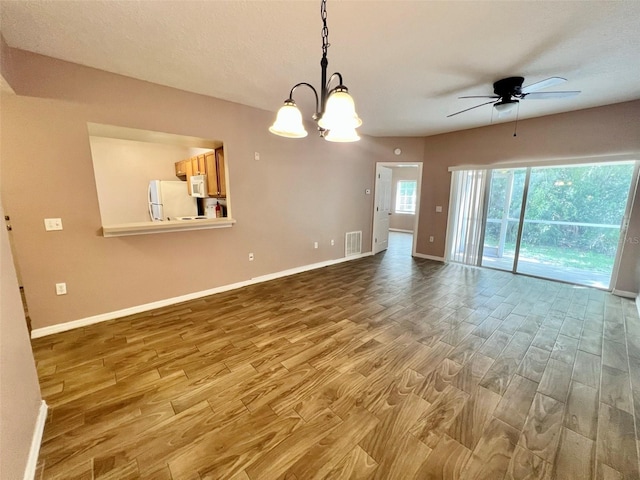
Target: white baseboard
(103, 317)
(36, 441)
(400, 230)
(429, 257)
(638, 304)
(622, 293)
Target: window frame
(409, 200)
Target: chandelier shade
(289, 122)
(340, 112)
(342, 135)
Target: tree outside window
(406, 196)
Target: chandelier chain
(325, 29)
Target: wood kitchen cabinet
(210, 164)
(181, 169)
(216, 179)
(198, 165)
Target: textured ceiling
(404, 62)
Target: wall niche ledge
(145, 228)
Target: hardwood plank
(581, 414)
(404, 466)
(516, 402)
(542, 429)
(395, 423)
(468, 425)
(492, 455)
(445, 462)
(576, 457)
(587, 369)
(496, 343)
(616, 441)
(468, 378)
(565, 349)
(534, 363)
(356, 465)
(279, 459)
(439, 416)
(615, 389)
(325, 455)
(614, 356)
(555, 380)
(526, 465)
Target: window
(406, 196)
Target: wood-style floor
(386, 367)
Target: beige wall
(613, 129)
(401, 221)
(19, 390)
(299, 192)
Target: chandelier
(335, 111)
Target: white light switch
(52, 224)
(438, 209)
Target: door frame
(418, 198)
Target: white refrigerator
(170, 199)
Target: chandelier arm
(315, 93)
(336, 74)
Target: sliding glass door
(573, 220)
(560, 222)
(502, 221)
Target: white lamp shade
(504, 108)
(342, 135)
(288, 122)
(340, 113)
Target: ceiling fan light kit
(335, 109)
(509, 91)
(506, 107)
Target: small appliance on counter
(215, 207)
(170, 199)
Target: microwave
(198, 186)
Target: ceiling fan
(509, 91)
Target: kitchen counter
(143, 228)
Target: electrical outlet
(251, 257)
(438, 208)
(333, 242)
(61, 288)
(315, 244)
(256, 155)
(52, 224)
(431, 239)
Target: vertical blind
(465, 216)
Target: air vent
(352, 243)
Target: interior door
(382, 209)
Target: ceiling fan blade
(549, 82)
(481, 96)
(546, 95)
(467, 109)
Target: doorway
(559, 222)
(396, 204)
